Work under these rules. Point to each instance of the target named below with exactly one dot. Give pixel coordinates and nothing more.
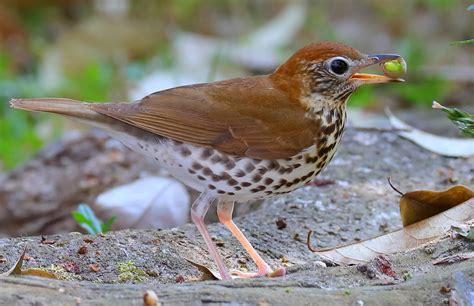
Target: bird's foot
(261, 272)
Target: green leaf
(106, 226)
(464, 121)
(85, 217)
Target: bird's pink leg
(224, 212)
(198, 211)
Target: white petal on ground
(152, 202)
(454, 147)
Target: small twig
(308, 242)
(393, 187)
(310, 246)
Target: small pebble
(320, 264)
(150, 298)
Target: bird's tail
(66, 107)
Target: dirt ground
(352, 201)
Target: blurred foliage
(464, 121)
(42, 28)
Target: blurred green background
(121, 50)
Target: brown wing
(246, 117)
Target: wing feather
(250, 117)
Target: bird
(239, 139)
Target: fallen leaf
(385, 266)
(411, 236)
(71, 267)
(208, 274)
(464, 231)
(453, 258)
(455, 147)
(16, 269)
(422, 204)
(94, 267)
(39, 272)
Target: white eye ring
(338, 65)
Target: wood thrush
(239, 139)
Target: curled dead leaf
(411, 236)
(16, 269)
(422, 204)
(208, 274)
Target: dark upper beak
(373, 59)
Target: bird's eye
(339, 66)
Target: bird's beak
(368, 78)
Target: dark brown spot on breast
(191, 171)
(215, 158)
(225, 176)
(185, 151)
(273, 164)
(202, 178)
(229, 165)
(328, 118)
(197, 166)
(207, 171)
(232, 182)
(237, 187)
(245, 184)
(206, 153)
(262, 170)
(220, 191)
(320, 164)
(210, 186)
(240, 173)
(256, 178)
(296, 166)
(216, 178)
(249, 167)
(268, 181)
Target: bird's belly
(229, 176)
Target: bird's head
(330, 70)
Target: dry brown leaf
(422, 204)
(39, 272)
(408, 237)
(453, 258)
(208, 274)
(16, 269)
